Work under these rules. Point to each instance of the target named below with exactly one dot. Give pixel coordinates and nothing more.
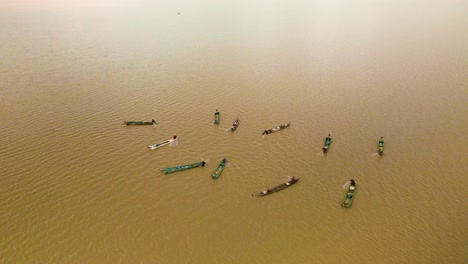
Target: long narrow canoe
(348, 200)
(277, 188)
(327, 143)
(217, 172)
(163, 143)
(216, 117)
(139, 123)
(381, 146)
(276, 129)
(183, 167)
(235, 124)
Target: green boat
(139, 123)
(348, 200)
(327, 143)
(217, 172)
(381, 146)
(216, 117)
(183, 167)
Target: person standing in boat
(174, 137)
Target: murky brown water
(76, 186)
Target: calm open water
(77, 186)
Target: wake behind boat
(276, 129)
(183, 167)
(277, 188)
(139, 123)
(171, 141)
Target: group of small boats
(350, 186)
(328, 140)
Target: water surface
(77, 186)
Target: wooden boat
(163, 143)
(216, 117)
(217, 172)
(348, 200)
(327, 143)
(183, 167)
(277, 188)
(235, 124)
(276, 129)
(139, 123)
(381, 146)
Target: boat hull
(380, 147)
(183, 167)
(276, 129)
(349, 197)
(235, 125)
(216, 118)
(160, 144)
(138, 123)
(326, 145)
(217, 172)
(277, 188)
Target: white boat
(171, 141)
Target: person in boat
(381, 140)
(174, 137)
(153, 121)
(203, 163)
(293, 178)
(352, 182)
(216, 113)
(266, 132)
